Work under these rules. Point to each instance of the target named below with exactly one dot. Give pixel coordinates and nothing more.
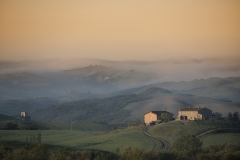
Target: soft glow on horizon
(119, 30)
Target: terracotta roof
(159, 112)
(192, 109)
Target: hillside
(171, 131)
(119, 109)
(116, 109)
(91, 79)
(172, 102)
(14, 107)
(106, 75)
(227, 89)
(110, 109)
(24, 85)
(106, 109)
(220, 138)
(6, 118)
(217, 88)
(105, 141)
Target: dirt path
(165, 144)
(219, 130)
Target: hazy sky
(119, 29)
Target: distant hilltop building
(25, 116)
(199, 113)
(154, 116)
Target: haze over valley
(119, 79)
(42, 90)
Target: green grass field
(87, 126)
(106, 141)
(213, 139)
(173, 130)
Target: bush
(29, 126)
(188, 144)
(11, 125)
(231, 156)
(5, 152)
(60, 154)
(205, 156)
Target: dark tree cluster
(189, 144)
(41, 152)
(12, 125)
(29, 126)
(233, 117)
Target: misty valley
(119, 80)
(101, 108)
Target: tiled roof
(192, 109)
(159, 112)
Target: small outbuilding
(154, 116)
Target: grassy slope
(173, 102)
(173, 130)
(107, 141)
(213, 139)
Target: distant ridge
(6, 118)
(154, 90)
(108, 75)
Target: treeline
(41, 152)
(233, 117)
(22, 125)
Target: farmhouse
(199, 113)
(25, 116)
(154, 116)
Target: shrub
(188, 144)
(10, 125)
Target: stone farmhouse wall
(189, 115)
(150, 117)
(195, 114)
(154, 116)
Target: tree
(38, 152)
(235, 116)
(166, 116)
(10, 125)
(60, 154)
(5, 152)
(230, 117)
(188, 144)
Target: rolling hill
(119, 109)
(91, 79)
(105, 141)
(227, 89)
(6, 118)
(171, 131)
(107, 75)
(106, 109)
(67, 96)
(172, 102)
